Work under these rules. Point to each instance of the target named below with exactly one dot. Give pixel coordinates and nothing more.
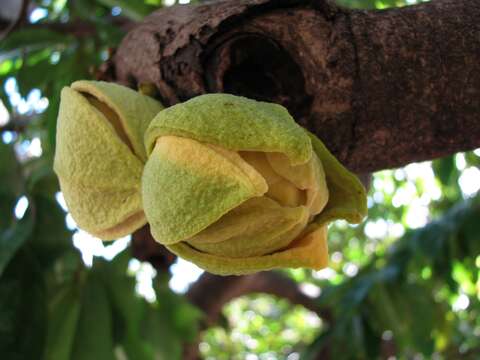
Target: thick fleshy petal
(99, 175)
(234, 123)
(309, 177)
(279, 188)
(309, 251)
(134, 110)
(187, 186)
(257, 227)
(348, 199)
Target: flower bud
(100, 155)
(236, 186)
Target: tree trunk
(380, 88)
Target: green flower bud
(236, 186)
(100, 155)
(231, 184)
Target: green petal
(257, 227)
(188, 185)
(134, 110)
(99, 175)
(235, 123)
(347, 199)
(309, 251)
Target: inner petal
(257, 227)
(111, 116)
(279, 188)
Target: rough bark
(380, 88)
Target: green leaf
(10, 171)
(13, 238)
(11, 185)
(128, 308)
(22, 309)
(6, 67)
(182, 315)
(445, 169)
(31, 76)
(171, 324)
(133, 9)
(32, 39)
(50, 237)
(41, 179)
(94, 335)
(63, 314)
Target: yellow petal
(187, 186)
(287, 194)
(309, 251)
(302, 176)
(257, 227)
(279, 188)
(99, 175)
(134, 110)
(308, 176)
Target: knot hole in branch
(257, 67)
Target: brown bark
(18, 14)
(380, 88)
(211, 292)
(145, 248)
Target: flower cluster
(231, 184)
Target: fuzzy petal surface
(348, 198)
(309, 251)
(234, 123)
(135, 111)
(188, 185)
(99, 175)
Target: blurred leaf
(32, 39)
(6, 67)
(11, 185)
(445, 169)
(41, 179)
(13, 238)
(50, 237)
(133, 9)
(10, 171)
(31, 76)
(183, 316)
(171, 324)
(22, 309)
(94, 334)
(63, 314)
(128, 308)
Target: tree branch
(145, 248)
(7, 28)
(380, 88)
(211, 293)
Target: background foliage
(403, 284)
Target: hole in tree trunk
(259, 68)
